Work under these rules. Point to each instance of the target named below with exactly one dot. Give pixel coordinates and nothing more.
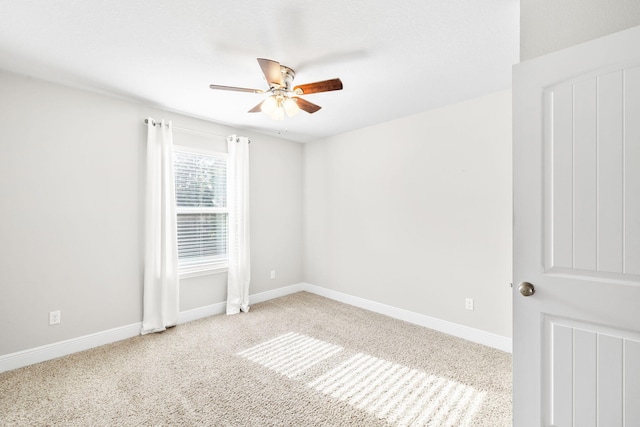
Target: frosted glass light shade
(291, 107)
(278, 113)
(276, 106)
(269, 105)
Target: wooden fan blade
(323, 86)
(257, 108)
(271, 70)
(235, 89)
(305, 105)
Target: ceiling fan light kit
(291, 107)
(275, 106)
(281, 100)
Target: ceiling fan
(283, 98)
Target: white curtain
(160, 297)
(238, 203)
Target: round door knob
(526, 289)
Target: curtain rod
(153, 122)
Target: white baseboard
(62, 348)
(52, 351)
(468, 333)
(43, 353)
(202, 312)
(220, 308)
(276, 293)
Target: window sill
(188, 272)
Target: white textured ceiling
(394, 58)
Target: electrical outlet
(468, 304)
(273, 274)
(54, 317)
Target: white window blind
(201, 197)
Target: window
(201, 198)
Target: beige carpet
(300, 360)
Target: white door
(576, 340)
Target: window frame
(213, 266)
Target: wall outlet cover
(468, 304)
(54, 317)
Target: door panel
(632, 384)
(585, 169)
(610, 170)
(576, 342)
(585, 362)
(631, 173)
(592, 371)
(591, 150)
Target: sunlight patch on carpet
(290, 354)
(398, 394)
(387, 390)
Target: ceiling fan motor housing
(287, 77)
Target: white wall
(416, 213)
(550, 25)
(413, 213)
(71, 189)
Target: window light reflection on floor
(398, 394)
(387, 390)
(290, 354)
